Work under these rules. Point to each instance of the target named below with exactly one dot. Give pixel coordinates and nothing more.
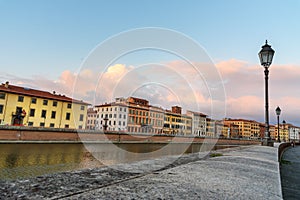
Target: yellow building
(210, 128)
(29, 107)
(176, 123)
(247, 128)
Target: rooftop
(6, 87)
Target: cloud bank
(182, 85)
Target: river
(33, 159)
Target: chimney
(176, 109)
(54, 92)
(6, 84)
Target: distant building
(210, 128)
(138, 115)
(156, 120)
(230, 130)
(198, 123)
(23, 106)
(247, 128)
(91, 119)
(294, 133)
(176, 123)
(112, 117)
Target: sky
(45, 44)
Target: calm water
(26, 160)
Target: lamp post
(266, 56)
(283, 123)
(278, 111)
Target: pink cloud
(243, 82)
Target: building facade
(138, 115)
(23, 106)
(293, 133)
(198, 123)
(91, 119)
(246, 128)
(176, 123)
(112, 117)
(230, 130)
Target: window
(32, 112)
(19, 110)
(69, 105)
(52, 125)
(1, 109)
(124, 116)
(33, 100)
(80, 127)
(44, 112)
(68, 116)
(124, 109)
(30, 123)
(115, 115)
(66, 125)
(45, 102)
(81, 117)
(42, 124)
(53, 113)
(110, 115)
(120, 109)
(81, 107)
(120, 115)
(20, 98)
(54, 103)
(2, 95)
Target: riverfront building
(133, 115)
(29, 107)
(176, 123)
(138, 119)
(91, 119)
(112, 116)
(247, 128)
(198, 123)
(230, 130)
(294, 133)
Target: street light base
(267, 143)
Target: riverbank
(10, 134)
(250, 172)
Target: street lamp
(266, 56)
(283, 123)
(278, 111)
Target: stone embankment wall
(9, 133)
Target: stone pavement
(238, 173)
(290, 173)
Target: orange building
(247, 128)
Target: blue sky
(48, 38)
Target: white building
(91, 119)
(294, 133)
(112, 116)
(198, 123)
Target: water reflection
(25, 160)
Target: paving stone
(238, 173)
